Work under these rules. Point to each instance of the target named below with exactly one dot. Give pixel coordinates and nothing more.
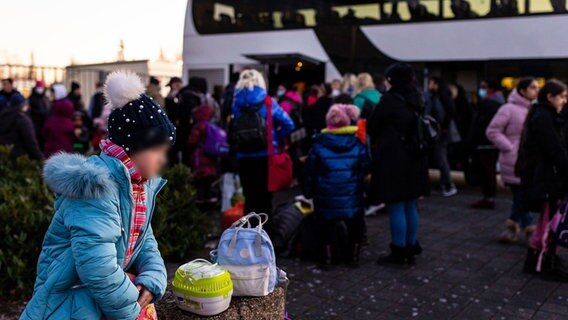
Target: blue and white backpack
(247, 253)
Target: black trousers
(355, 229)
(253, 173)
(486, 161)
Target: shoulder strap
(269, 125)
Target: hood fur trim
(71, 175)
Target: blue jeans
(519, 211)
(403, 223)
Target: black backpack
(368, 108)
(427, 128)
(248, 131)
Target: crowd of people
(357, 145)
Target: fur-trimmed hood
(74, 176)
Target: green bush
(178, 225)
(25, 213)
(26, 209)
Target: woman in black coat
(543, 168)
(400, 173)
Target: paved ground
(464, 273)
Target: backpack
(368, 108)
(248, 131)
(556, 232)
(247, 253)
(428, 132)
(427, 128)
(215, 143)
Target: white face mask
(335, 92)
(39, 90)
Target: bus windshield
(227, 16)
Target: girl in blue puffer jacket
(335, 171)
(99, 258)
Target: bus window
(223, 12)
(309, 17)
(543, 6)
(363, 13)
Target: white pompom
(122, 87)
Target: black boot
(553, 268)
(397, 257)
(353, 261)
(531, 261)
(412, 252)
(326, 263)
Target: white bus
(319, 40)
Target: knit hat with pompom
(341, 115)
(136, 122)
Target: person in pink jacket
(505, 133)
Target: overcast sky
(89, 30)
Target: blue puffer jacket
(334, 173)
(80, 272)
(282, 123)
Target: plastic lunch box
(202, 288)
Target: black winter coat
(482, 118)
(39, 110)
(17, 130)
(400, 173)
(543, 156)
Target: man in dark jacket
(442, 108)
(7, 93)
(189, 98)
(17, 129)
(172, 105)
(75, 97)
(39, 109)
(484, 153)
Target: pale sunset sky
(89, 31)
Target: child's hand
(145, 297)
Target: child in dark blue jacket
(334, 177)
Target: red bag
(232, 214)
(279, 165)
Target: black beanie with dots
(136, 121)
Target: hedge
(26, 208)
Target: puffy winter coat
(81, 271)
(400, 173)
(202, 164)
(334, 173)
(282, 123)
(505, 131)
(58, 130)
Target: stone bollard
(270, 307)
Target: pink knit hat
(341, 115)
